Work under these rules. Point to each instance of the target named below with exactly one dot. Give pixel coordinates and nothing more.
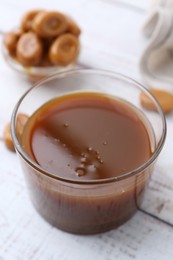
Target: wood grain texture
(159, 198)
(136, 5)
(111, 40)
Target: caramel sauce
(87, 136)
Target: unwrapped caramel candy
(20, 123)
(44, 38)
(164, 98)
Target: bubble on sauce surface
(66, 125)
(90, 149)
(56, 140)
(83, 160)
(80, 171)
(92, 168)
(105, 143)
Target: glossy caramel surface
(87, 136)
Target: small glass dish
(88, 206)
(33, 74)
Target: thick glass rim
(91, 72)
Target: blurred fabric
(156, 63)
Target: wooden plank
(159, 197)
(138, 5)
(25, 235)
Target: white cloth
(156, 64)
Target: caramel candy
(64, 49)
(10, 41)
(29, 49)
(164, 98)
(7, 138)
(49, 24)
(27, 19)
(20, 123)
(41, 35)
(73, 27)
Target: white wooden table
(111, 40)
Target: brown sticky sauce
(87, 136)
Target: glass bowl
(33, 74)
(88, 206)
